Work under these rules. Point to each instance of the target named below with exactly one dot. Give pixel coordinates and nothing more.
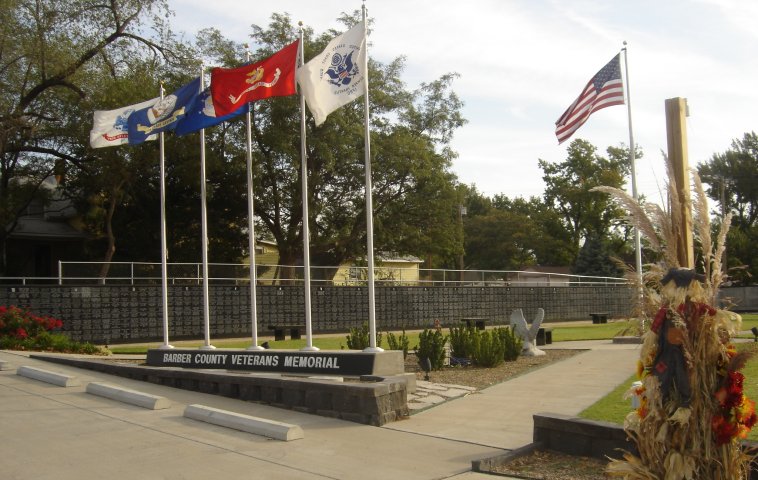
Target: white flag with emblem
(111, 127)
(335, 76)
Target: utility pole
(722, 192)
(676, 130)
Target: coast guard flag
(110, 127)
(334, 77)
(202, 114)
(163, 115)
(603, 90)
(272, 77)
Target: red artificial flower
(750, 421)
(724, 430)
(658, 320)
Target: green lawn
(561, 333)
(568, 332)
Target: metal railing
(131, 273)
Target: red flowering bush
(20, 323)
(736, 413)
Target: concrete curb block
(49, 377)
(133, 397)
(245, 423)
(5, 366)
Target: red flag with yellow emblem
(272, 77)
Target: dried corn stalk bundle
(693, 411)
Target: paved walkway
(52, 432)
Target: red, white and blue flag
(605, 89)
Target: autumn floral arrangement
(20, 329)
(692, 410)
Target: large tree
(547, 235)
(414, 195)
(732, 179)
(53, 56)
(569, 184)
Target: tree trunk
(111, 248)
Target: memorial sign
(281, 361)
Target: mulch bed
(548, 465)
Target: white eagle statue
(528, 334)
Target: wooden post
(676, 129)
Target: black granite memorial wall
(117, 314)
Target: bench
(280, 329)
(544, 336)
(599, 317)
(475, 321)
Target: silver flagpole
(251, 227)
(306, 229)
(204, 223)
(637, 243)
(369, 202)
(164, 250)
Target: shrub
(22, 330)
(358, 338)
(20, 323)
(461, 341)
(512, 343)
(400, 342)
(432, 346)
(487, 348)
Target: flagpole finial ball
(246, 45)
(625, 43)
(300, 23)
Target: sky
(523, 62)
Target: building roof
(38, 228)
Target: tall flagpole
(164, 249)
(369, 202)
(306, 229)
(251, 227)
(632, 161)
(204, 223)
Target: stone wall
(113, 314)
(740, 299)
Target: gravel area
(472, 376)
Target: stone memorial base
(382, 398)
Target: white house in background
(388, 269)
(46, 232)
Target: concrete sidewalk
(53, 432)
(501, 416)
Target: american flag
(605, 89)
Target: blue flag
(202, 114)
(164, 115)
